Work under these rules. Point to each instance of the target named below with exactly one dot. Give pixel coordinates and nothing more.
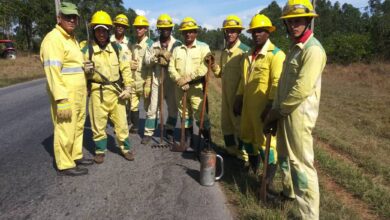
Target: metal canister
(208, 161)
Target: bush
(347, 48)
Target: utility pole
(312, 20)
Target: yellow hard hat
(188, 23)
(164, 21)
(298, 8)
(232, 21)
(101, 17)
(121, 19)
(261, 21)
(141, 20)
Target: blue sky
(208, 13)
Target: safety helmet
(164, 21)
(101, 17)
(121, 19)
(232, 21)
(261, 21)
(298, 8)
(141, 20)
(188, 23)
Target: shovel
(161, 116)
(263, 188)
(182, 147)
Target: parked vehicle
(7, 49)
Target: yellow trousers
(68, 135)
(104, 105)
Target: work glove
(270, 128)
(163, 57)
(125, 94)
(64, 111)
(147, 87)
(209, 58)
(88, 68)
(272, 115)
(134, 65)
(267, 108)
(184, 80)
(185, 87)
(237, 106)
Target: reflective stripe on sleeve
(71, 70)
(47, 63)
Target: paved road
(158, 185)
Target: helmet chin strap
(306, 27)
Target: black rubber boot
(254, 162)
(169, 135)
(134, 116)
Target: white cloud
(141, 12)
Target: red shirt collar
(304, 37)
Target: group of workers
(263, 90)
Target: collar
(143, 41)
(97, 49)
(235, 46)
(263, 50)
(63, 32)
(304, 37)
(125, 39)
(193, 44)
(302, 44)
(172, 40)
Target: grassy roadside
(23, 68)
(241, 187)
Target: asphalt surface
(159, 184)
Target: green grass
(241, 187)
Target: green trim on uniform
(271, 158)
(201, 43)
(230, 141)
(283, 163)
(188, 122)
(127, 144)
(275, 51)
(150, 123)
(248, 147)
(149, 42)
(176, 44)
(244, 47)
(299, 179)
(101, 145)
(206, 124)
(84, 50)
(171, 121)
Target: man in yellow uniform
(261, 68)
(158, 56)
(141, 73)
(66, 85)
(296, 106)
(186, 67)
(229, 70)
(110, 68)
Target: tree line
(348, 34)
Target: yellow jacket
(62, 61)
(125, 43)
(109, 64)
(143, 71)
(258, 86)
(189, 61)
(262, 75)
(156, 47)
(301, 78)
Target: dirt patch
(358, 206)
